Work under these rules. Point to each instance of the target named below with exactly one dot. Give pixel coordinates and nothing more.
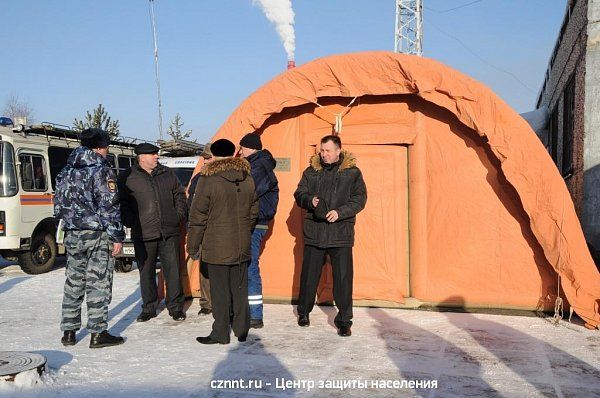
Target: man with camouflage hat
(87, 204)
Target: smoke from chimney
(281, 14)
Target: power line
(481, 58)
(455, 8)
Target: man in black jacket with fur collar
(333, 191)
(153, 204)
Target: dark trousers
(146, 254)
(205, 301)
(229, 294)
(342, 267)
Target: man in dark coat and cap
(262, 165)
(222, 217)
(153, 205)
(333, 191)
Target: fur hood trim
(220, 165)
(348, 161)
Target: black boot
(345, 331)
(104, 339)
(256, 323)
(303, 321)
(178, 316)
(145, 316)
(209, 340)
(68, 338)
(204, 311)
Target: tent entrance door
(381, 249)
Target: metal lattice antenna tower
(409, 27)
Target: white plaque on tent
(283, 164)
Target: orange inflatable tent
(463, 199)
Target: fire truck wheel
(123, 265)
(41, 256)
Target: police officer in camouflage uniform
(86, 201)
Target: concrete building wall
(575, 180)
(590, 215)
(571, 49)
(577, 59)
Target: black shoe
(178, 316)
(256, 323)
(208, 340)
(68, 338)
(105, 339)
(204, 311)
(303, 320)
(345, 331)
(145, 316)
(243, 337)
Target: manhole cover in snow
(14, 362)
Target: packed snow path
(466, 354)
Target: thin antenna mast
(160, 124)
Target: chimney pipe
(291, 64)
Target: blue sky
(65, 57)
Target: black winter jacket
(153, 205)
(262, 165)
(342, 188)
(191, 191)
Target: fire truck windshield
(8, 178)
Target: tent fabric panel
(381, 232)
(480, 243)
(523, 160)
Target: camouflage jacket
(86, 195)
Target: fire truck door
(36, 190)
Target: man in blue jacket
(86, 202)
(262, 165)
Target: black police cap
(145, 148)
(94, 138)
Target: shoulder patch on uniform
(112, 185)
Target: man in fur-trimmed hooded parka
(222, 216)
(333, 191)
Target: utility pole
(160, 130)
(409, 27)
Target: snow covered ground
(467, 354)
